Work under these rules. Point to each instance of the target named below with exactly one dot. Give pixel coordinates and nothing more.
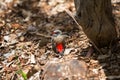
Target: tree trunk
(96, 19)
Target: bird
(58, 42)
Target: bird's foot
(59, 55)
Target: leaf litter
(25, 45)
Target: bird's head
(57, 32)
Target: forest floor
(25, 45)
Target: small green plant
(24, 75)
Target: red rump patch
(59, 47)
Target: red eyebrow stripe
(60, 47)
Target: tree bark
(96, 19)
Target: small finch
(58, 42)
